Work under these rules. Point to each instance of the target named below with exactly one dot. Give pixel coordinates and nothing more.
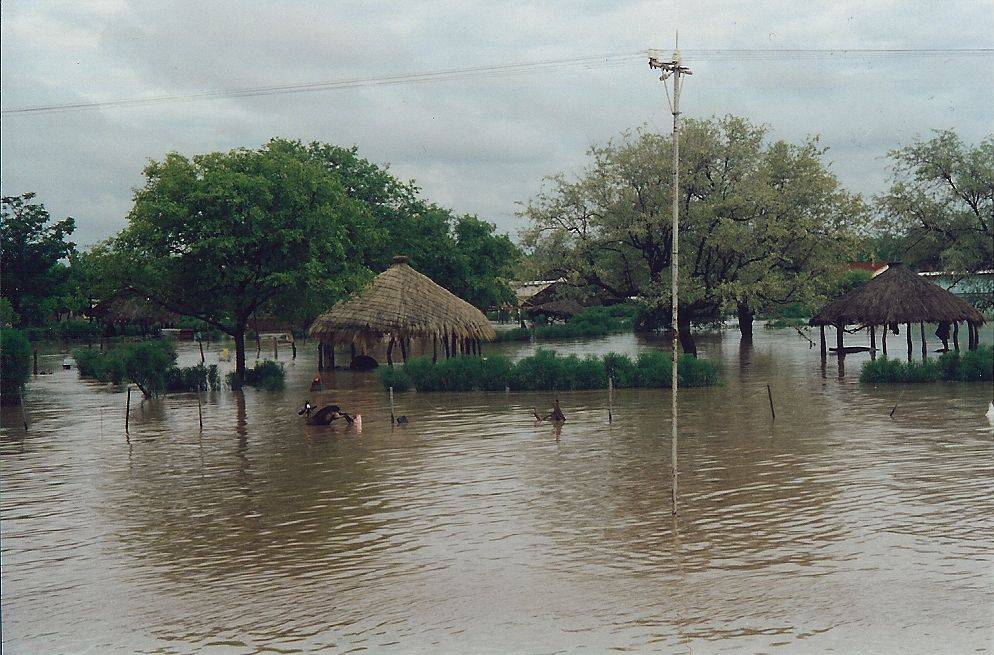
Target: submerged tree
(218, 236)
(760, 223)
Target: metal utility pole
(674, 68)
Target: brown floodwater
(835, 528)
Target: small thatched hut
(565, 308)
(897, 296)
(402, 304)
(130, 307)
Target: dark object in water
(556, 415)
(401, 420)
(363, 363)
(316, 384)
(324, 416)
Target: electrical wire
(478, 72)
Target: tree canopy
(760, 222)
(939, 211)
(32, 250)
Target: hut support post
(924, 346)
(839, 331)
(390, 352)
(883, 339)
(320, 356)
(453, 345)
(331, 354)
(873, 340)
(956, 335)
(434, 348)
(403, 349)
(908, 328)
(824, 349)
(445, 346)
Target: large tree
(941, 203)
(220, 235)
(31, 251)
(761, 223)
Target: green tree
(15, 365)
(941, 203)
(220, 235)
(31, 249)
(463, 254)
(760, 222)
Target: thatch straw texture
(402, 303)
(897, 295)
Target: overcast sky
(478, 145)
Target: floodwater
(835, 527)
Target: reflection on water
(472, 528)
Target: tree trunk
(824, 350)
(956, 336)
(687, 342)
(240, 353)
(746, 317)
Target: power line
(452, 74)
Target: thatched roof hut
(895, 296)
(565, 308)
(401, 303)
(129, 306)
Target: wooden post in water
(840, 329)
(824, 348)
(200, 411)
(873, 341)
(956, 335)
(36, 361)
(883, 339)
(202, 358)
(924, 347)
(390, 352)
(276, 349)
(769, 392)
(127, 410)
(610, 399)
(391, 407)
(908, 327)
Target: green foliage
(15, 365)
(514, 334)
(940, 204)
(268, 375)
(193, 378)
(970, 366)
(147, 364)
(761, 224)
(31, 250)
(546, 370)
(70, 330)
(8, 317)
(221, 235)
(591, 322)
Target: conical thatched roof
(403, 303)
(897, 295)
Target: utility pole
(675, 69)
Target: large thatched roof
(403, 303)
(897, 295)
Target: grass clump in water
(971, 366)
(546, 370)
(268, 375)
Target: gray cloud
(478, 145)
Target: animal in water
(556, 415)
(401, 420)
(316, 383)
(323, 416)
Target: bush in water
(15, 365)
(193, 378)
(971, 366)
(268, 375)
(546, 370)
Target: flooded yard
(835, 527)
